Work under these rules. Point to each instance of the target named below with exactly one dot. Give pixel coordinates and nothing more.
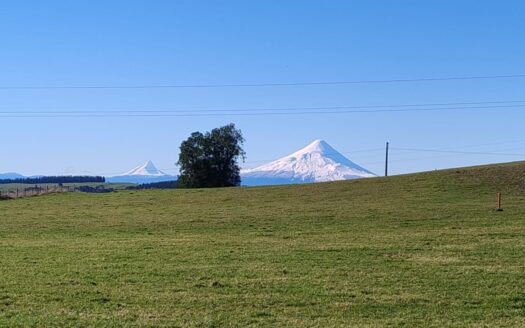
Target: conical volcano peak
(317, 143)
(150, 167)
(314, 163)
(145, 173)
(146, 169)
(319, 146)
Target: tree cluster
(155, 185)
(55, 179)
(96, 189)
(210, 160)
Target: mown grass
(418, 250)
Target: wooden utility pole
(386, 161)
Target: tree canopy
(210, 160)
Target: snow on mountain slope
(146, 173)
(317, 162)
(147, 169)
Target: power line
(255, 113)
(341, 152)
(269, 160)
(235, 85)
(105, 111)
(407, 149)
(448, 153)
(457, 152)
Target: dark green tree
(210, 160)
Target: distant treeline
(55, 179)
(155, 185)
(97, 189)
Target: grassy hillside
(417, 250)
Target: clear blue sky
(72, 43)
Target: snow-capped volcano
(147, 169)
(317, 162)
(146, 173)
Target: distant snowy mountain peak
(146, 173)
(147, 169)
(316, 146)
(316, 162)
(11, 175)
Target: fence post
(499, 208)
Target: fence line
(34, 191)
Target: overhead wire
(456, 152)
(111, 111)
(254, 113)
(273, 84)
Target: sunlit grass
(417, 250)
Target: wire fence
(33, 191)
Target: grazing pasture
(417, 250)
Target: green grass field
(418, 250)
